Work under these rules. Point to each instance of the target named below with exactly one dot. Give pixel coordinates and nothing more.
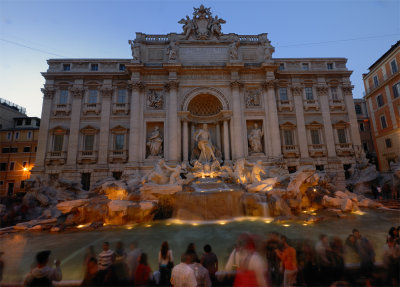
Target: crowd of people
(254, 261)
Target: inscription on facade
(203, 53)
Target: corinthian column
(273, 121)
(106, 94)
(48, 95)
(172, 116)
(73, 142)
(185, 141)
(134, 126)
(326, 117)
(301, 127)
(226, 142)
(355, 134)
(237, 132)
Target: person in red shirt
(143, 272)
(289, 261)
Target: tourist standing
(182, 275)
(367, 255)
(391, 261)
(143, 272)
(289, 261)
(1, 266)
(273, 260)
(120, 253)
(337, 258)
(210, 261)
(90, 253)
(166, 263)
(132, 259)
(201, 274)
(105, 259)
(43, 275)
(324, 263)
(91, 275)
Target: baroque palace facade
(111, 117)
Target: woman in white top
(166, 263)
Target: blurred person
(391, 261)
(337, 258)
(367, 256)
(324, 262)
(1, 266)
(42, 274)
(249, 265)
(120, 253)
(132, 259)
(201, 273)
(393, 233)
(165, 263)
(307, 264)
(90, 253)
(105, 259)
(289, 261)
(143, 274)
(273, 260)
(182, 275)
(191, 249)
(210, 261)
(91, 275)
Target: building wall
(386, 139)
(8, 111)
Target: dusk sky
(33, 31)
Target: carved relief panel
(253, 98)
(155, 99)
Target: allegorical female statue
(254, 138)
(154, 143)
(203, 139)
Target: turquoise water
(20, 248)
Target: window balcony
(311, 105)
(87, 156)
(336, 105)
(285, 105)
(62, 109)
(317, 150)
(344, 149)
(92, 108)
(120, 108)
(118, 156)
(56, 157)
(290, 151)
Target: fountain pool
(20, 248)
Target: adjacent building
(9, 111)
(18, 145)
(364, 127)
(382, 88)
(109, 117)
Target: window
(24, 164)
(283, 94)
(365, 146)
(362, 128)
(329, 66)
(22, 184)
(383, 122)
(292, 169)
(396, 90)
(10, 191)
(376, 82)
(3, 166)
(8, 136)
(12, 165)
(58, 142)
(281, 67)
(29, 135)
(358, 109)
(94, 67)
(393, 65)
(27, 149)
(92, 97)
(19, 122)
(37, 123)
(121, 98)
(122, 67)
(315, 137)
(117, 175)
(288, 137)
(16, 135)
(88, 142)
(1, 182)
(304, 66)
(309, 93)
(63, 97)
(5, 150)
(341, 136)
(85, 181)
(319, 167)
(379, 100)
(66, 67)
(27, 122)
(334, 93)
(13, 149)
(388, 143)
(119, 142)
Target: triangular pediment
(119, 129)
(288, 125)
(340, 124)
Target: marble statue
(155, 142)
(255, 139)
(188, 26)
(164, 174)
(203, 139)
(233, 51)
(256, 171)
(215, 25)
(172, 51)
(175, 176)
(135, 50)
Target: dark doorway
(10, 189)
(85, 181)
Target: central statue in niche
(204, 144)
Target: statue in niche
(255, 138)
(135, 50)
(188, 26)
(155, 99)
(172, 51)
(203, 140)
(154, 143)
(233, 51)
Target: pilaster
(355, 134)
(238, 150)
(172, 116)
(297, 92)
(134, 123)
(73, 142)
(106, 94)
(273, 120)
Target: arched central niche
(204, 105)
